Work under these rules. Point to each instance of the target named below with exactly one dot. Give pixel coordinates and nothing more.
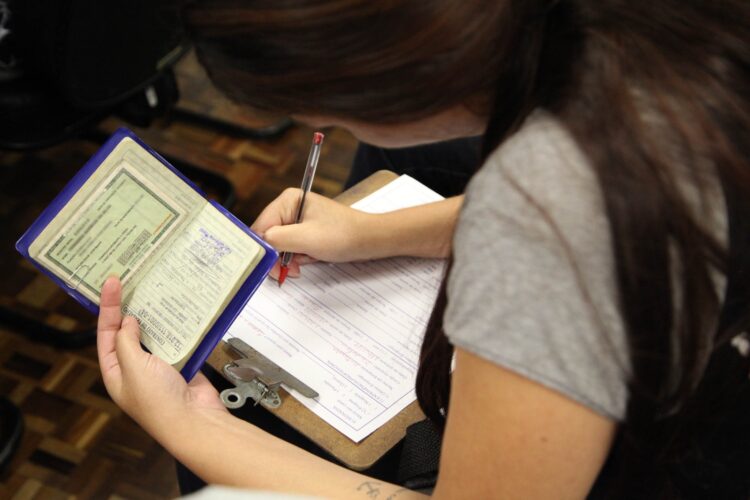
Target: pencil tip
(282, 275)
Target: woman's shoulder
(540, 182)
(542, 158)
(533, 239)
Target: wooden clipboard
(356, 456)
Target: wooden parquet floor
(77, 443)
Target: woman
(599, 282)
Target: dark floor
(77, 443)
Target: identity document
(187, 266)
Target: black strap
(420, 457)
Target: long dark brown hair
(656, 93)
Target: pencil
(307, 180)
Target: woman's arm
(506, 437)
(509, 437)
(222, 449)
(421, 231)
(334, 232)
(190, 421)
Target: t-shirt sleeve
(533, 285)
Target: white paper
(352, 331)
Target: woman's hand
(147, 388)
(329, 230)
(192, 424)
(334, 232)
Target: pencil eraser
(318, 137)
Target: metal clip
(75, 274)
(258, 378)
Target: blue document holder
(233, 307)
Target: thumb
(291, 238)
(130, 355)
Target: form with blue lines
(351, 331)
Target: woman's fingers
(108, 325)
(117, 339)
(128, 344)
(279, 212)
(293, 238)
(303, 260)
(293, 269)
(328, 231)
(143, 385)
(109, 305)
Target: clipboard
(356, 456)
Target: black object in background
(77, 61)
(98, 53)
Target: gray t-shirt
(533, 286)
